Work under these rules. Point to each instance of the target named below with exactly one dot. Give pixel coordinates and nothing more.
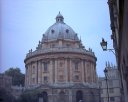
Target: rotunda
(61, 67)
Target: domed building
(61, 68)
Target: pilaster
(82, 71)
(56, 71)
(71, 71)
(51, 72)
(66, 70)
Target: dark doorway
(45, 97)
(62, 96)
(79, 96)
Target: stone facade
(5, 82)
(16, 91)
(114, 85)
(61, 66)
(119, 26)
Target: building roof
(60, 30)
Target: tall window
(61, 64)
(112, 99)
(45, 78)
(45, 66)
(61, 77)
(111, 90)
(33, 70)
(33, 80)
(76, 66)
(110, 83)
(101, 91)
(76, 77)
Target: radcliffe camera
(64, 51)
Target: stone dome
(60, 30)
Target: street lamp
(106, 78)
(104, 46)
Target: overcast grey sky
(24, 21)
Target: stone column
(26, 73)
(56, 70)
(66, 70)
(71, 71)
(94, 73)
(41, 72)
(70, 95)
(30, 74)
(82, 71)
(91, 72)
(94, 67)
(86, 72)
(37, 72)
(51, 71)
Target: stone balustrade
(59, 49)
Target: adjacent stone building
(5, 82)
(61, 67)
(119, 26)
(113, 90)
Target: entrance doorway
(62, 96)
(79, 96)
(45, 96)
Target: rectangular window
(110, 83)
(33, 80)
(100, 83)
(76, 77)
(101, 91)
(45, 67)
(111, 90)
(76, 66)
(112, 99)
(61, 64)
(61, 77)
(45, 78)
(33, 70)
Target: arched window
(79, 96)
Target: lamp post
(106, 79)
(104, 46)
